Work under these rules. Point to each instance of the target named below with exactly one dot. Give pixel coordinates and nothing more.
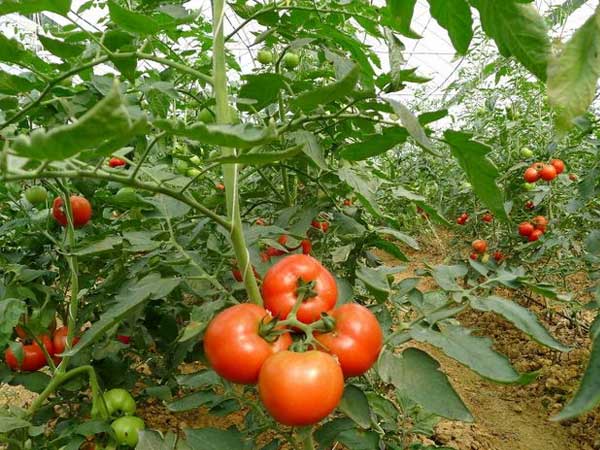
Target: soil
(506, 417)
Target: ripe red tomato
(558, 165)
(20, 331)
(283, 239)
(479, 245)
(347, 202)
(306, 246)
(237, 274)
(572, 177)
(531, 175)
(474, 256)
(264, 257)
(487, 218)
(537, 165)
(272, 251)
(260, 221)
(116, 162)
(59, 340)
(548, 173)
(529, 205)
(300, 389)
(525, 229)
(356, 339)
(320, 225)
(280, 286)
(124, 339)
(498, 256)
(33, 356)
(535, 235)
(460, 221)
(540, 223)
(233, 345)
(220, 186)
(82, 211)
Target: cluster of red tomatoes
(480, 247)
(464, 218)
(535, 229)
(32, 357)
(80, 207)
(250, 344)
(546, 172)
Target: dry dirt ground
(506, 417)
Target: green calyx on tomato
(119, 402)
(281, 282)
(265, 56)
(126, 430)
(234, 346)
(291, 60)
(36, 195)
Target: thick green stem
(306, 435)
(230, 171)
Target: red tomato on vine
(82, 211)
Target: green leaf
(34, 6)
(214, 439)
(455, 17)
(132, 21)
(374, 144)
(413, 126)
(479, 169)
(521, 317)
(262, 89)
(132, 294)
(311, 147)
(14, 84)
(60, 48)
(588, 393)
(9, 423)
(238, 136)
(390, 248)
(193, 401)
(307, 101)
(401, 12)
(12, 51)
(364, 187)
(474, 352)
(408, 240)
(106, 119)
(359, 440)
(259, 158)
(445, 276)
(519, 31)
(107, 244)
(432, 116)
(573, 75)
(375, 280)
(327, 434)
(355, 405)
(34, 381)
(150, 440)
(414, 369)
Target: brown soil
(506, 417)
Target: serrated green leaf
(12, 51)
(573, 75)
(479, 169)
(413, 126)
(60, 48)
(374, 144)
(132, 21)
(311, 147)
(355, 405)
(455, 17)
(262, 89)
(401, 14)
(15, 84)
(307, 101)
(34, 6)
(9, 423)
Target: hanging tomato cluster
(535, 229)
(299, 347)
(546, 172)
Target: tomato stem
(306, 435)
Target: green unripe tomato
(181, 167)
(291, 60)
(119, 402)
(36, 195)
(126, 194)
(193, 172)
(526, 152)
(265, 56)
(126, 430)
(206, 116)
(528, 186)
(195, 160)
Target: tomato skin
(487, 218)
(272, 251)
(33, 356)
(36, 195)
(237, 274)
(531, 175)
(572, 177)
(529, 205)
(347, 202)
(479, 245)
(126, 430)
(234, 347)
(281, 281)
(82, 211)
(306, 246)
(525, 229)
(558, 165)
(291, 60)
(300, 389)
(548, 173)
(124, 339)
(116, 162)
(59, 340)
(320, 225)
(220, 186)
(282, 239)
(356, 339)
(119, 402)
(260, 221)
(540, 223)
(498, 256)
(474, 256)
(535, 235)
(265, 56)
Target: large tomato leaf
(214, 439)
(455, 17)
(413, 369)
(399, 14)
(573, 75)
(131, 21)
(355, 405)
(413, 126)
(61, 49)
(35, 6)
(12, 51)
(479, 169)
(97, 127)
(374, 144)
(261, 90)
(518, 30)
(521, 317)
